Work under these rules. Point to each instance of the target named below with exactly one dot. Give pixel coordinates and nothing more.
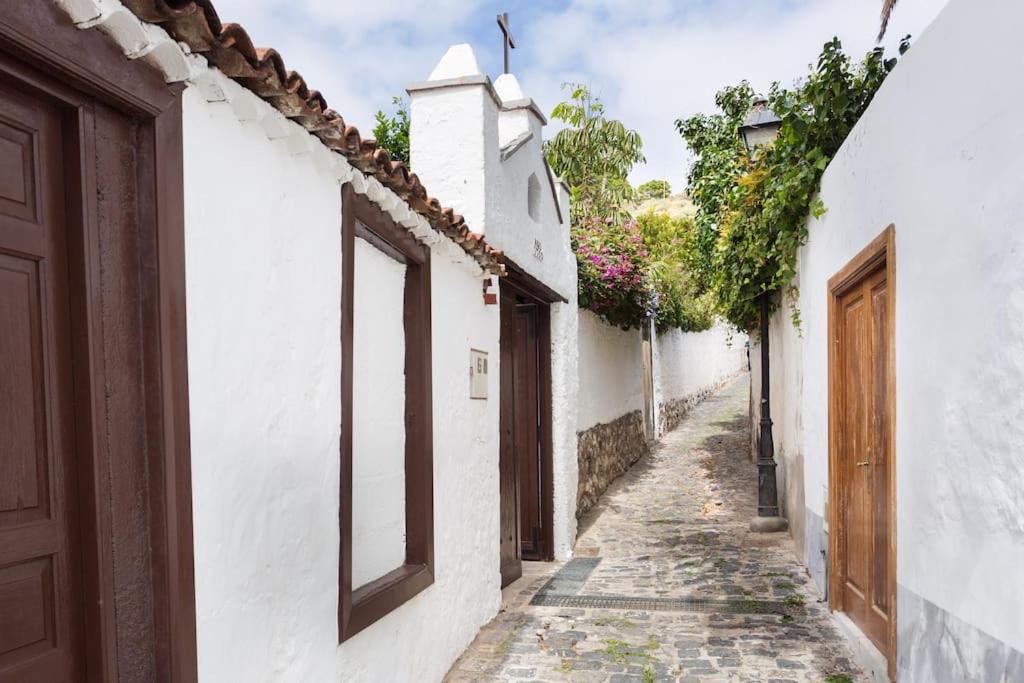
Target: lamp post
(760, 127)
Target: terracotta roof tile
(262, 70)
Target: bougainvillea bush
(613, 263)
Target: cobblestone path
(689, 594)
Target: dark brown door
(511, 565)
(524, 486)
(865, 456)
(40, 582)
(527, 429)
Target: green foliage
(719, 160)
(838, 678)
(752, 214)
(629, 270)
(392, 132)
(671, 246)
(654, 189)
(593, 155)
(611, 260)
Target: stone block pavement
(673, 528)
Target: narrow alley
(667, 583)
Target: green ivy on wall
(752, 213)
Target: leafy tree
(654, 189)
(719, 160)
(752, 214)
(392, 132)
(593, 155)
(670, 245)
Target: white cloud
(652, 62)
(669, 62)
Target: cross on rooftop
(510, 42)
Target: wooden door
(40, 568)
(511, 563)
(525, 456)
(527, 429)
(864, 455)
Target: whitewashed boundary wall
(686, 368)
(937, 154)
(264, 279)
(690, 365)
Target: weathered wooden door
(864, 455)
(525, 481)
(527, 429)
(511, 564)
(40, 580)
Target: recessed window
(386, 508)
(533, 197)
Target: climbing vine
(752, 214)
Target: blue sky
(652, 61)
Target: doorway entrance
(862, 567)
(525, 424)
(96, 571)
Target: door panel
(40, 582)
(855, 408)
(508, 473)
(527, 424)
(864, 450)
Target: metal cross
(510, 42)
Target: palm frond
(887, 7)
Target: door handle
(863, 464)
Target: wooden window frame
(360, 608)
(879, 254)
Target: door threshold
(865, 653)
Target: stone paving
(674, 526)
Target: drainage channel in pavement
(563, 590)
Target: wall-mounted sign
(477, 374)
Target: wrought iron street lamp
(760, 127)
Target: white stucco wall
(611, 371)
(264, 277)
(461, 127)
(688, 363)
(938, 155)
(378, 414)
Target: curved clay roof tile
(229, 48)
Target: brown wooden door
(524, 481)
(511, 564)
(865, 456)
(40, 581)
(527, 429)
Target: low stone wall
(672, 411)
(606, 451)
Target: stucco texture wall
(689, 365)
(264, 277)
(937, 154)
(610, 432)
